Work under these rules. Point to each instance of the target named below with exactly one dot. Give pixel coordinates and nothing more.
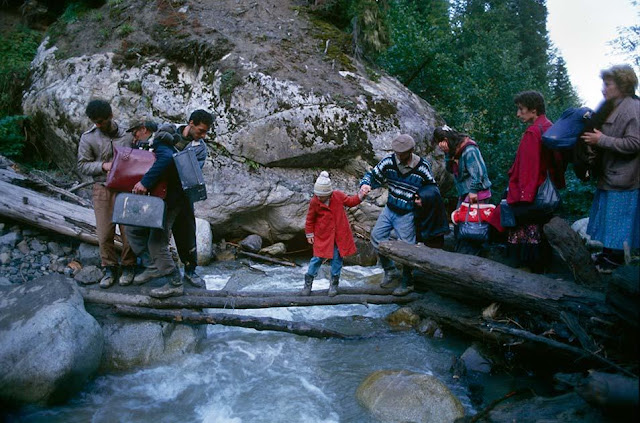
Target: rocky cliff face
(287, 99)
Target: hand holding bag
(474, 231)
(128, 167)
(143, 211)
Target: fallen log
(267, 259)
(466, 319)
(257, 323)
(572, 250)
(100, 296)
(468, 278)
(52, 214)
(369, 290)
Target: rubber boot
(333, 287)
(406, 284)
(109, 278)
(308, 282)
(390, 277)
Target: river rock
(241, 279)
(276, 250)
(402, 396)
(49, 345)
(89, 255)
(4, 281)
(5, 258)
(403, 317)
(204, 242)
(365, 255)
(10, 239)
(37, 246)
(23, 247)
(475, 361)
(252, 243)
(55, 249)
(89, 275)
(132, 343)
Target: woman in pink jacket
(328, 230)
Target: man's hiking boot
(406, 284)
(127, 276)
(308, 283)
(333, 286)
(173, 288)
(109, 278)
(147, 274)
(193, 278)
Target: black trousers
(184, 234)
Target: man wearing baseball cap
(404, 173)
(142, 131)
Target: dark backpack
(564, 133)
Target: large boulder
(133, 343)
(285, 103)
(204, 242)
(49, 345)
(403, 396)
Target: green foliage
(17, 49)
(628, 41)
(12, 136)
(125, 29)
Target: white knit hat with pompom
(323, 184)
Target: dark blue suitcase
(190, 174)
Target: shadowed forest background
(467, 58)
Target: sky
(581, 29)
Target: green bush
(12, 136)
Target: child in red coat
(328, 230)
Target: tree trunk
(257, 323)
(99, 296)
(469, 278)
(572, 250)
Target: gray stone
(402, 396)
(204, 242)
(132, 343)
(89, 255)
(55, 249)
(5, 258)
(89, 275)
(17, 255)
(23, 247)
(475, 361)
(45, 261)
(274, 250)
(10, 239)
(241, 279)
(252, 243)
(58, 343)
(365, 256)
(4, 281)
(37, 246)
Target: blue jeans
(387, 221)
(336, 264)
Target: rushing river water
(242, 375)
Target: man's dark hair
(532, 100)
(98, 109)
(201, 116)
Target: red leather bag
(128, 167)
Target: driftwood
(467, 319)
(257, 323)
(99, 296)
(267, 259)
(568, 244)
(469, 278)
(20, 203)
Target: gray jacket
(96, 148)
(620, 145)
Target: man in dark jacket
(176, 200)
